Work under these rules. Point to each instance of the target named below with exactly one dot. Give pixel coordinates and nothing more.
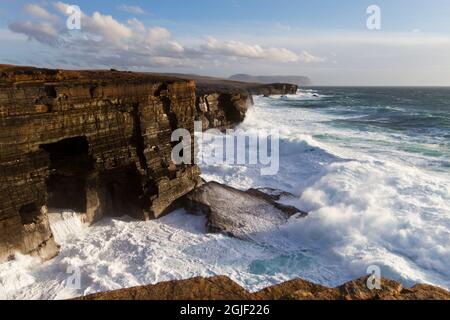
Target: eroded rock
(99, 143)
(94, 142)
(237, 213)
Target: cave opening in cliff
(122, 192)
(29, 213)
(225, 103)
(70, 166)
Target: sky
(326, 40)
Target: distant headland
(297, 80)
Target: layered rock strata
(223, 103)
(97, 143)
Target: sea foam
(370, 203)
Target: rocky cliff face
(98, 143)
(222, 110)
(94, 142)
(223, 288)
(224, 103)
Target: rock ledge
(223, 288)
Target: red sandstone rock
(222, 288)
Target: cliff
(297, 80)
(222, 103)
(99, 143)
(223, 288)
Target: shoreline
(218, 103)
(223, 288)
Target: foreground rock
(240, 214)
(223, 288)
(97, 143)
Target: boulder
(240, 214)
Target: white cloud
(307, 57)
(104, 41)
(281, 54)
(157, 34)
(110, 30)
(61, 7)
(244, 50)
(41, 31)
(131, 9)
(39, 12)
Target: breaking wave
(377, 194)
(371, 202)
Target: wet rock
(234, 212)
(273, 196)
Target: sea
(371, 166)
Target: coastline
(223, 288)
(211, 101)
(114, 128)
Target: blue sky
(324, 39)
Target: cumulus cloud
(61, 7)
(108, 29)
(40, 31)
(241, 49)
(105, 41)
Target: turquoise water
(418, 119)
(372, 168)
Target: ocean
(370, 165)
